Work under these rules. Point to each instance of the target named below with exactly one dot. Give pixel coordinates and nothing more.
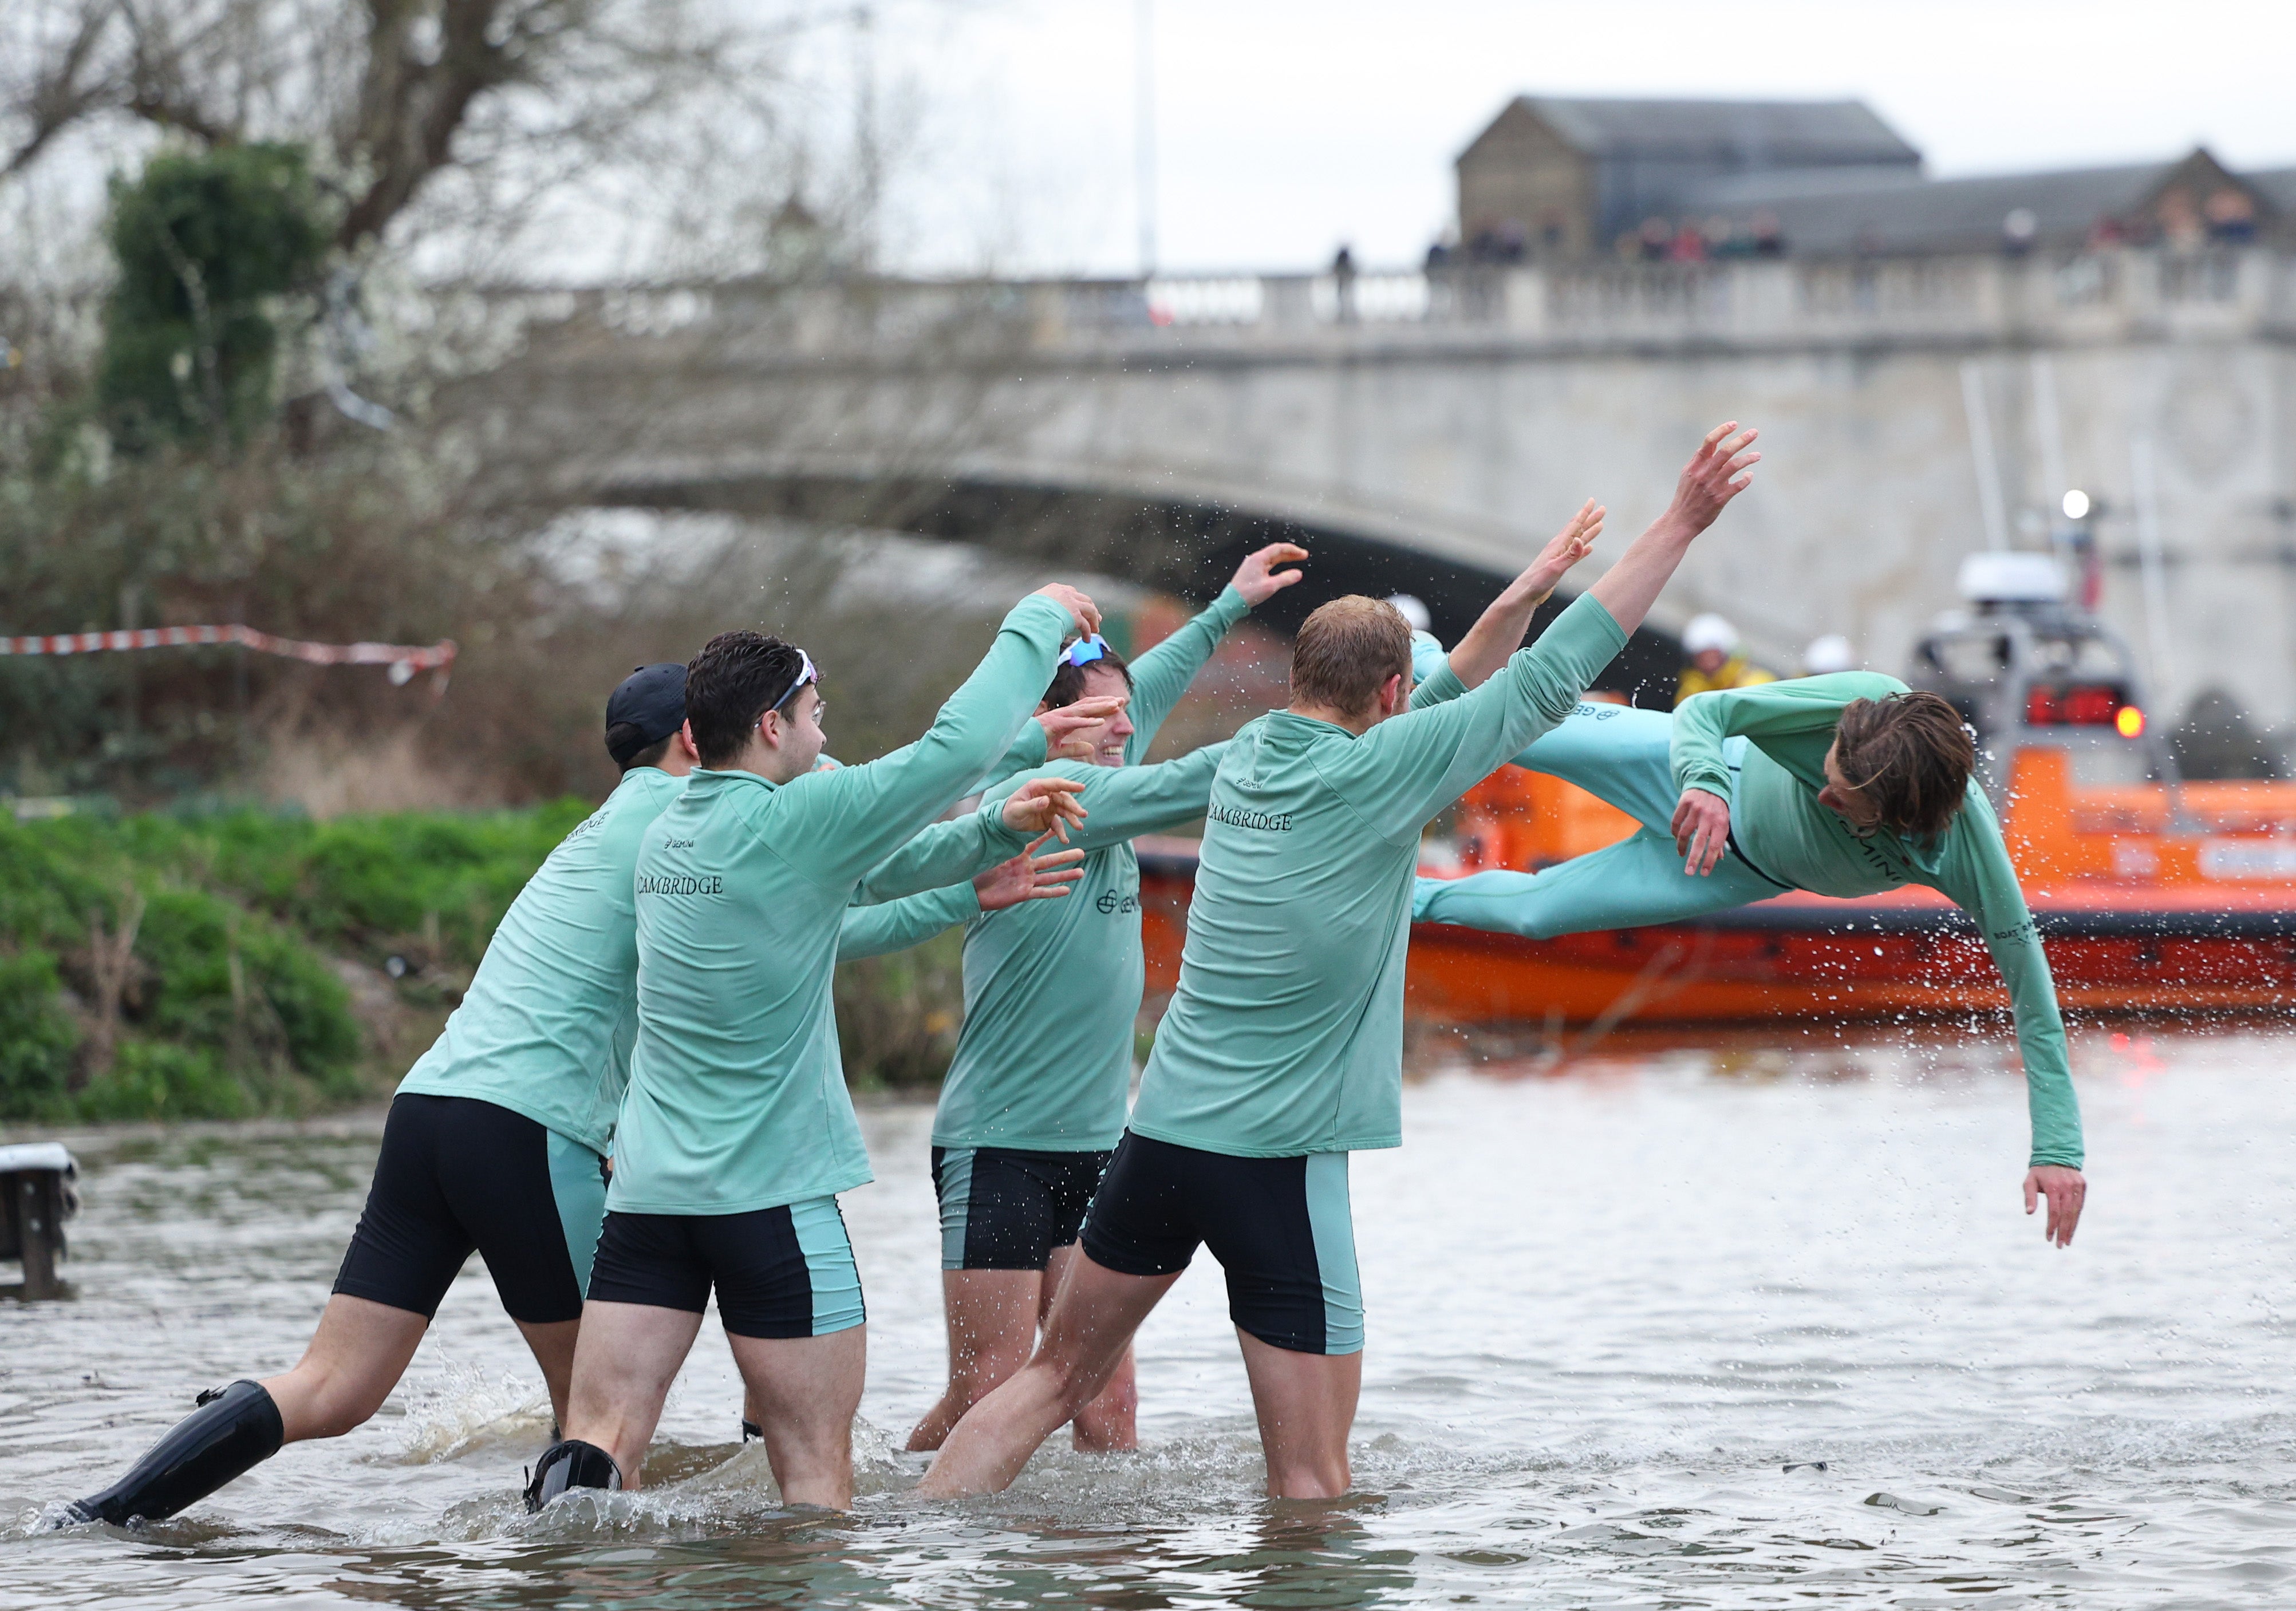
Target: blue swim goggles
(1086, 648)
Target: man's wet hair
(1910, 754)
(736, 678)
(627, 733)
(1347, 651)
(1067, 683)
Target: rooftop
(1775, 134)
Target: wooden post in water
(35, 1199)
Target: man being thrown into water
(1282, 1049)
(1848, 785)
(1034, 1100)
(737, 1132)
(496, 1139)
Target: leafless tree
(643, 100)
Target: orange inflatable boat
(2152, 896)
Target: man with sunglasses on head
(496, 1142)
(1034, 1100)
(737, 1132)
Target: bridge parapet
(2050, 300)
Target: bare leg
(806, 1390)
(353, 1360)
(992, 1326)
(1085, 1336)
(1110, 1422)
(624, 1362)
(552, 1343)
(1306, 1406)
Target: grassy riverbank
(223, 966)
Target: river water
(1680, 1325)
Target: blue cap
(652, 700)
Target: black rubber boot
(752, 1433)
(234, 1429)
(570, 1464)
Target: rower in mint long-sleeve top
(1762, 751)
(1026, 1076)
(1787, 834)
(737, 1098)
(1286, 1036)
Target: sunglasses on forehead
(805, 673)
(1085, 650)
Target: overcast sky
(1287, 127)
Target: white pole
(1143, 128)
(2151, 563)
(1981, 449)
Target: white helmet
(1709, 631)
(1412, 609)
(1831, 653)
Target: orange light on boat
(2129, 722)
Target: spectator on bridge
(1712, 644)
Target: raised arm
(1162, 675)
(1499, 631)
(1122, 802)
(842, 824)
(1977, 875)
(898, 925)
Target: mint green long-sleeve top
(545, 1027)
(1285, 1036)
(1787, 834)
(1052, 987)
(737, 1098)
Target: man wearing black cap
(496, 1141)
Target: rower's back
(1285, 1036)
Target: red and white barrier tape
(404, 660)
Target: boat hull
(1911, 953)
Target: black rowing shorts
(1007, 1209)
(779, 1271)
(1280, 1227)
(457, 1173)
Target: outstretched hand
(1078, 605)
(1565, 549)
(1028, 877)
(1717, 472)
(2066, 1192)
(1258, 580)
(1701, 830)
(1045, 803)
(1072, 732)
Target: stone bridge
(1426, 432)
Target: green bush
(155, 1080)
(898, 1016)
(38, 1037)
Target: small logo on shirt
(1111, 901)
(1265, 821)
(678, 844)
(681, 883)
